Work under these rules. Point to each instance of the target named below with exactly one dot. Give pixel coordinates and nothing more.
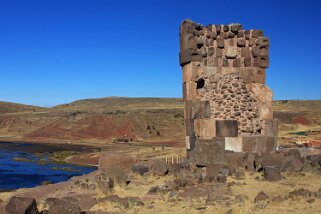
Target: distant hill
(121, 118)
(8, 107)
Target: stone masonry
(227, 104)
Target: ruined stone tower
(227, 105)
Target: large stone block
(265, 110)
(205, 128)
(241, 42)
(233, 144)
(263, 42)
(236, 27)
(252, 75)
(201, 109)
(185, 57)
(226, 128)
(247, 62)
(264, 52)
(197, 109)
(256, 33)
(248, 143)
(231, 53)
(220, 42)
(271, 143)
(234, 160)
(261, 92)
(184, 39)
(190, 142)
(189, 91)
(258, 143)
(189, 127)
(209, 151)
(190, 71)
(270, 128)
(262, 62)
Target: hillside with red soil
(137, 119)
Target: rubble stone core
(226, 100)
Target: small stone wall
(226, 100)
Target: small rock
(278, 199)
(261, 196)
(300, 193)
(221, 178)
(180, 182)
(154, 189)
(311, 200)
(241, 199)
(22, 205)
(172, 194)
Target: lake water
(21, 167)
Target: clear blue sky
(57, 51)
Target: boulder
(140, 169)
(21, 205)
(315, 160)
(61, 206)
(159, 167)
(292, 164)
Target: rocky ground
(159, 180)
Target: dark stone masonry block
(220, 42)
(184, 57)
(236, 27)
(201, 109)
(226, 128)
(257, 33)
(209, 151)
(241, 42)
(189, 127)
(262, 42)
(249, 143)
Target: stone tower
(227, 104)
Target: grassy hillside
(7, 107)
(148, 119)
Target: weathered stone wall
(224, 85)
